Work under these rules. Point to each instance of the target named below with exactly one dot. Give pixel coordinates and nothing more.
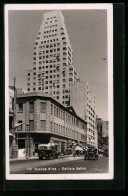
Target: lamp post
(27, 124)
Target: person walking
(74, 154)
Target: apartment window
(28, 74)
(43, 107)
(20, 127)
(43, 125)
(51, 109)
(31, 124)
(54, 111)
(20, 107)
(31, 106)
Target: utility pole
(14, 105)
(14, 117)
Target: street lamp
(28, 125)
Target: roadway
(67, 165)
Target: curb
(32, 158)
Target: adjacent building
(53, 70)
(105, 129)
(11, 106)
(46, 120)
(99, 126)
(102, 128)
(83, 102)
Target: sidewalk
(36, 157)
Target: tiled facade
(53, 70)
(49, 121)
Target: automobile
(91, 153)
(106, 153)
(47, 152)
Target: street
(68, 165)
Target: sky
(87, 30)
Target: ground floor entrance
(28, 144)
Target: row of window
(91, 113)
(50, 31)
(54, 127)
(46, 41)
(31, 107)
(47, 66)
(39, 88)
(90, 108)
(65, 116)
(50, 21)
(66, 131)
(90, 137)
(47, 36)
(51, 26)
(51, 17)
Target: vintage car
(106, 153)
(45, 151)
(91, 153)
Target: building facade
(47, 121)
(53, 70)
(11, 106)
(99, 126)
(83, 102)
(105, 129)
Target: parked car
(46, 151)
(91, 153)
(106, 153)
(47, 154)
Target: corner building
(53, 70)
(49, 122)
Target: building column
(65, 146)
(59, 146)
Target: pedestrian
(74, 154)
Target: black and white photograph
(59, 91)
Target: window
(28, 74)
(20, 107)
(43, 107)
(20, 127)
(31, 124)
(43, 125)
(31, 106)
(51, 109)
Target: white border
(109, 8)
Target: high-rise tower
(83, 102)
(53, 70)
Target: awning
(78, 148)
(10, 134)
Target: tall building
(83, 102)
(53, 70)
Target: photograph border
(118, 73)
